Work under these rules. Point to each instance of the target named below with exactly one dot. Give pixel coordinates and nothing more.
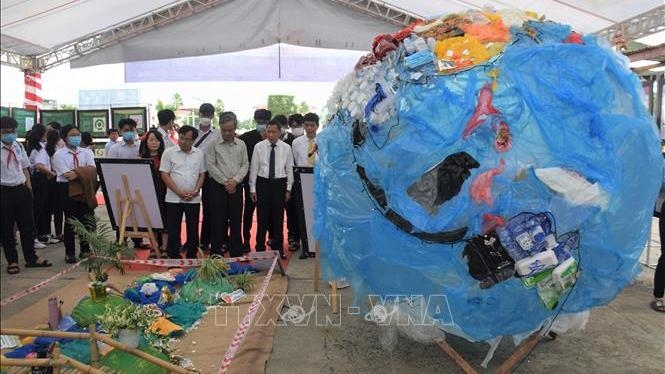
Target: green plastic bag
(87, 312)
(206, 292)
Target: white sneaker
(53, 240)
(39, 245)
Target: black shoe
(293, 245)
(246, 248)
(282, 255)
(70, 259)
(84, 255)
(303, 255)
(205, 247)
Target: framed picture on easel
(134, 181)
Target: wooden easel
(317, 279)
(125, 205)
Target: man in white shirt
(207, 136)
(227, 164)
(129, 147)
(65, 161)
(16, 196)
(304, 154)
(166, 119)
(183, 171)
(113, 139)
(270, 180)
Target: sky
(63, 84)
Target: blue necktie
(271, 166)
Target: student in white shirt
(16, 199)
(270, 180)
(55, 203)
(166, 119)
(129, 147)
(183, 171)
(207, 136)
(113, 140)
(304, 154)
(40, 174)
(65, 161)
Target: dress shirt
(108, 146)
(168, 142)
(213, 135)
(261, 163)
(184, 168)
(301, 150)
(39, 157)
(227, 160)
(63, 161)
(13, 163)
(124, 150)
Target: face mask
(75, 141)
(205, 122)
(128, 136)
(297, 131)
(260, 127)
(9, 138)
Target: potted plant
(104, 252)
(127, 322)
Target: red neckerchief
(11, 155)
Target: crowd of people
(206, 172)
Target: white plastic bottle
(536, 263)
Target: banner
(95, 122)
(138, 114)
(63, 117)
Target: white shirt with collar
(108, 146)
(184, 168)
(39, 157)
(301, 150)
(64, 161)
(168, 142)
(11, 171)
(125, 150)
(210, 137)
(261, 163)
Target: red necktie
(76, 159)
(11, 156)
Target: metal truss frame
(636, 27)
(381, 10)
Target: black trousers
(292, 216)
(296, 192)
(78, 210)
(247, 214)
(205, 203)
(56, 207)
(174, 212)
(17, 208)
(659, 276)
(41, 207)
(226, 212)
(270, 208)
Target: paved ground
(623, 337)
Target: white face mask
(297, 131)
(205, 122)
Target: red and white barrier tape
(242, 330)
(37, 286)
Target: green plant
(131, 317)
(244, 281)
(104, 250)
(212, 269)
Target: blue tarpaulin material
(574, 106)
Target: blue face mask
(128, 136)
(260, 127)
(75, 141)
(9, 138)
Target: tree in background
(175, 104)
(303, 108)
(246, 125)
(68, 106)
(219, 108)
(281, 104)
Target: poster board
(63, 117)
(96, 121)
(4, 111)
(141, 175)
(305, 175)
(138, 114)
(26, 118)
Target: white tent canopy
(35, 27)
